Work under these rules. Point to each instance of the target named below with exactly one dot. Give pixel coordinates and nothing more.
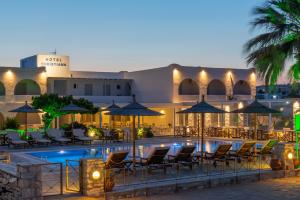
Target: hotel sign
(53, 61)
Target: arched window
(2, 89)
(216, 87)
(241, 88)
(188, 87)
(27, 87)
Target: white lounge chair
(57, 136)
(79, 135)
(39, 139)
(13, 138)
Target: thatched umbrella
(258, 109)
(73, 109)
(110, 108)
(26, 109)
(201, 108)
(134, 109)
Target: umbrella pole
(198, 124)
(133, 142)
(26, 125)
(202, 136)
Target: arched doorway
(216, 87)
(27, 87)
(188, 87)
(241, 88)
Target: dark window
(118, 87)
(106, 90)
(74, 85)
(88, 89)
(60, 87)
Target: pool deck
(283, 188)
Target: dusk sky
(127, 35)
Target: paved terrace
(284, 188)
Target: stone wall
(9, 189)
(22, 183)
(89, 185)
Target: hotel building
(166, 89)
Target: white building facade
(165, 89)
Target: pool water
(61, 155)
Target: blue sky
(116, 35)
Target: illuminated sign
(53, 61)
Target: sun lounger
(156, 159)
(183, 157)
(14, 139)
(57, 136)
(116, 160)
(80, 136)
(38, 138)
(243, 152)
(219, 154)
(267, 148)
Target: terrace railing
(72, 175)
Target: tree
(279, 44)
(51, 104)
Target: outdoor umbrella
(256, 108)
(72, 109)
(26, 109)
(134, 109)
(201, 108)
(110, 108)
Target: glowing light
(281, 109)
(175, 72)
(162, 112)
(9, 74)
(162, 145)
(91, 133)
(287, 102)
(96, 175)
(62, 152)
(253, 76)
(240, 105)
(290, 156)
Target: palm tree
(279, 44)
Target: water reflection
(141, 150)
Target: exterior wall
(203, 76)
(98, 90)
(153, 85)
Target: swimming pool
(62, 154)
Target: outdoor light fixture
(290, 156)
(96, 175)
(61, 151)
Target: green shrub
(148, 133)
(11, 123)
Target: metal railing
(72, 175)
(52, 179)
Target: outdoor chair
(267, 148)
(243, 152)
(38, 138)
(183, 157)
(4, 157)
(56, 135)
(80, 136)
(13, 138)
(116, 160)
(107, 136)
(156, 159)
(220, 154)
